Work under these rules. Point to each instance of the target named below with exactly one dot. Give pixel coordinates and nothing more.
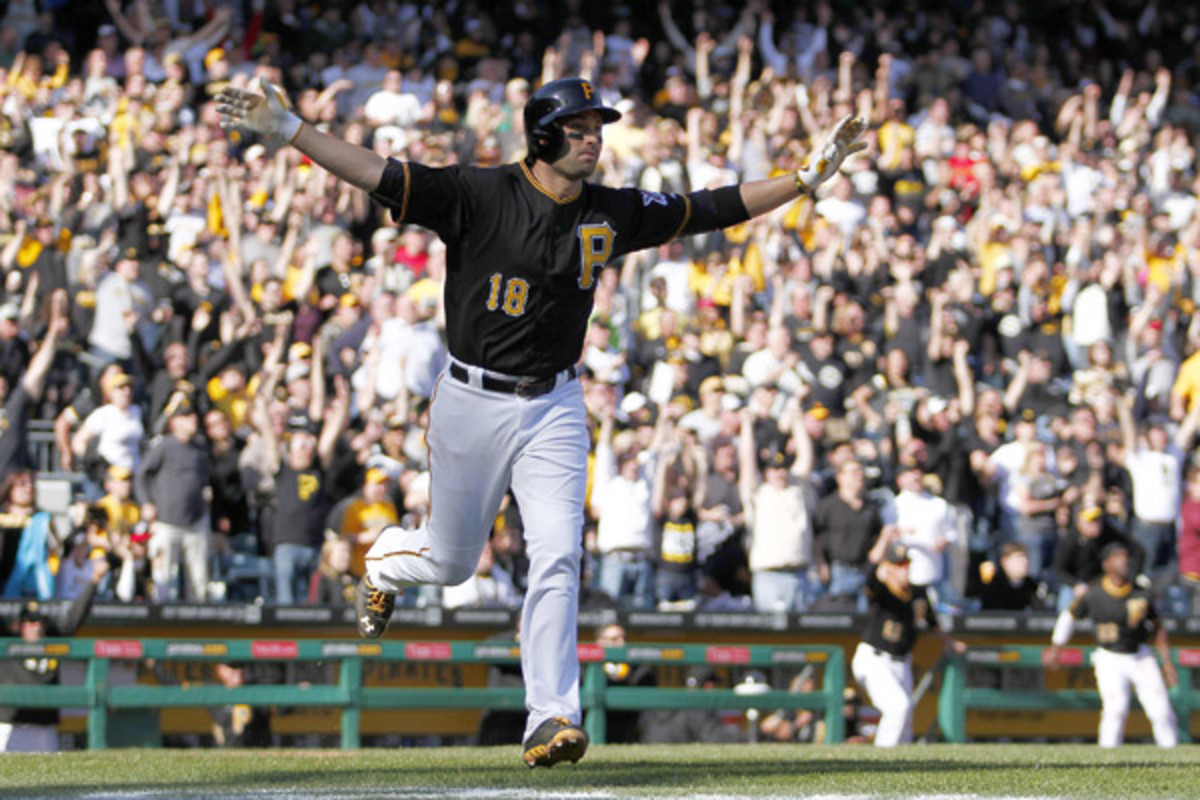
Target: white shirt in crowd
(1155, 477)
(780, 527)
(409, 355)
(761, 366)
(621, 506)
(114, 297)
(118, 434)
(925, 522)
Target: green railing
(956, 697)
(349, 694)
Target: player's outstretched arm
(842, 142)
(267, 114)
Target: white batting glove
(825, 161)
(265, 114)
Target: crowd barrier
(957, 698)
(348, 693)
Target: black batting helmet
(552, 102)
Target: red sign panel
(118, 648)
(427, 651)
(1189, 658)
(590, 652)
(727, 655)
(1070, 657)
(274, 649)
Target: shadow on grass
(652, 774)
(596, 776)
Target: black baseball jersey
(42, 669)
(522, 263)
(893, 614)
(1125, 616)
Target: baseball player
(525, 244)
(882, 663)
(1125, 618)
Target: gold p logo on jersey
(588, 91)
(595, 248)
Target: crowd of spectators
(980, 340)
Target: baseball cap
(896, 554)
(1091, 513)
(178, 405)
(31, 612)
(376, 475)
(119, 473)
(213, 56)
(300, 423)
(296, 371)
(117, 380)
(633, 402)
(936, 404)
(299, 350)
(1111, 548)
(10, 311)
(108, 29)
(712, 383)
(684, 401)
(777, 458)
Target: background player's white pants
(888, 682)
(480, 442)
(1115, 673)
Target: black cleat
(373, 609)
(555, 740)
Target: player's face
(32, 630)
(585, 138)
(1117, 564)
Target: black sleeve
(647, 219)
(715, 209)
(426, 196)
(222, 358)
(1079, 606)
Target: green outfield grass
(776, 771)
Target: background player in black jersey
(35, 730)
(525, 244)
(882, 663)
(1125, 618)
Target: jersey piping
(1115, 591)
(415, 553)
(687, 217)
(562, 201)
(407, 190)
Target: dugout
(201, 626)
